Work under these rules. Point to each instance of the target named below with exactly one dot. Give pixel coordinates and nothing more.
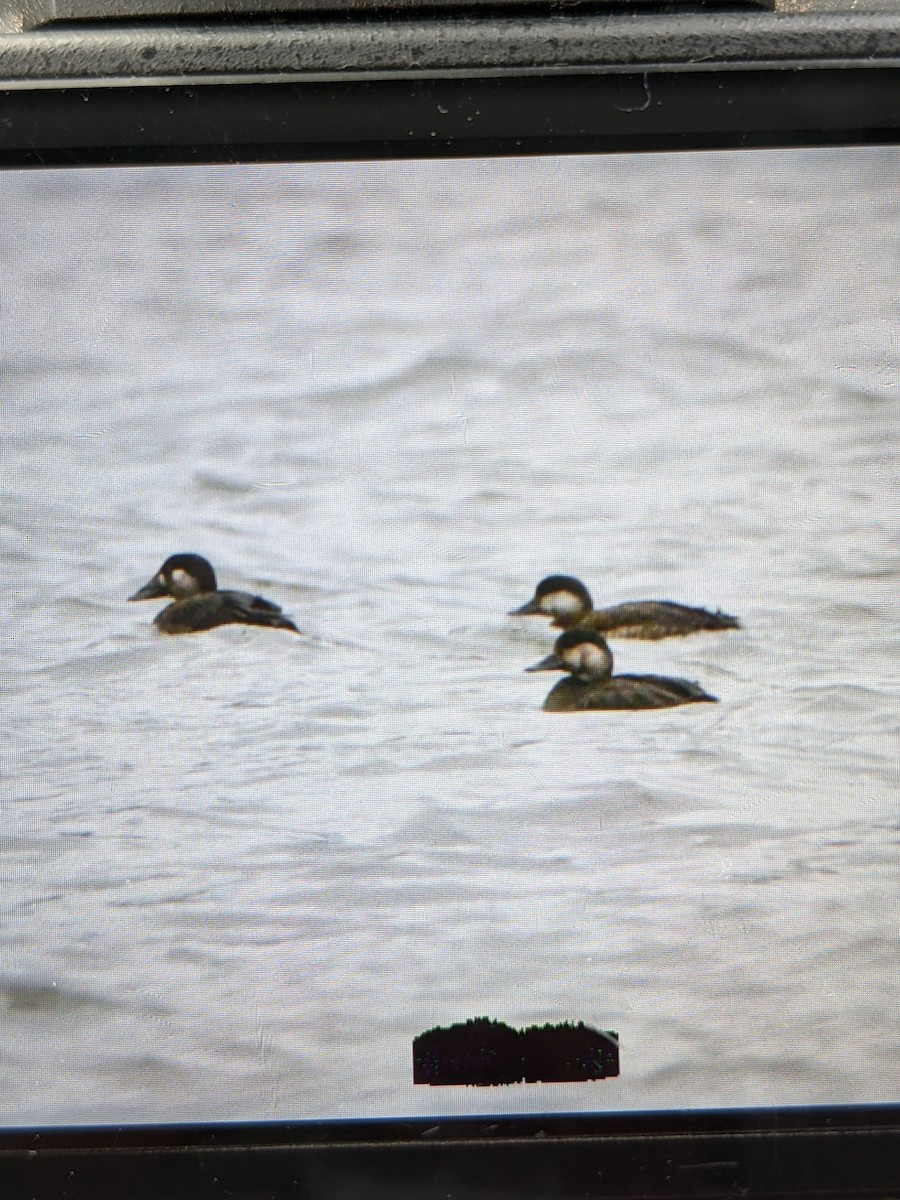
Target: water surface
(242, 870)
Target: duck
(199, 604)
(584, 654)
(568, 602)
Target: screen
(251, 855)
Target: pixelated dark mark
(486, 1053)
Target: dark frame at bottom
(758, 1154)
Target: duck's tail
(720, 620)
(282, 622)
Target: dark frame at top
(509, 114)
(464, 83)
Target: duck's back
(652, 619)
(624, 692)
(254, 610)
(199, 613)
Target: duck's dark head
(561, 597)
(581, 652)
(180, 576)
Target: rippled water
(241, 871)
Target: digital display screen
(247, 865)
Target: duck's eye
(561, 604)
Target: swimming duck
(199, 605)
(569, 603)
(591, 683)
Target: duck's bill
(150, 591)
(527, 610)
(550, 663)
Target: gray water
(242, 870)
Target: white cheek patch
(594, 660)
(181, 581)
(561, 604)
(587, 659)
(574, 659)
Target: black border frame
(766, 1154)
(513, 114)
(815, 1153)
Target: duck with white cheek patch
(585, 656)
(568, 603)
(199, 604)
